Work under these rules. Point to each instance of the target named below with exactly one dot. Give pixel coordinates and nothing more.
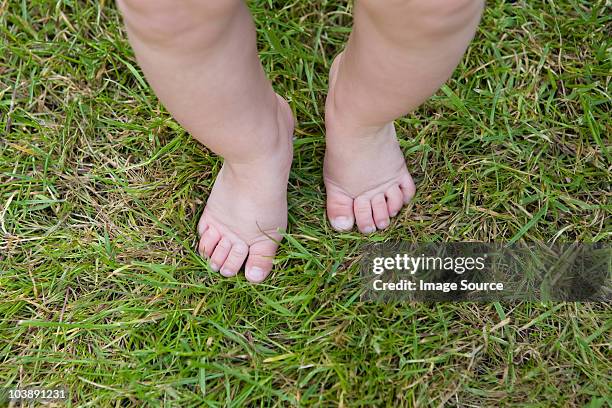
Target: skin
(398, 55)
(201, 59)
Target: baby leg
(399, 53)
(201, 59)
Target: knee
(164, 22)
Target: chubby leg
(399, 53)
(201, 59)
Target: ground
(101, 290)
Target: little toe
(380, 211)
(259, 263)
(408, 188)
(209, 241)
(363, 215)
(340, 211)
(395, 200)
(235, 259)
(202, 226)
(220, 254)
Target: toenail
(227, 273)
(214, 266)
(383, 224)
(394, 214)
(369, 230)
(342, 223)
(255, 274)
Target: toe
(340, 211)
(395, 200)
(363, 215)
(408, 188)
(202, 226)
(220, 253)
(235, 259)
(380, 212)
(259, 264)
(209, 241)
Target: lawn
(101, 290)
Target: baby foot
(365, 172)
(247, 208)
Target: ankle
(341, 124)
(274, 146)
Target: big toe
(340, 210)
(260, 260)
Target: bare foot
(247, 208)
(365, 172)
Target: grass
(100, 190)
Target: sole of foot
(366, 178)
(247, 209)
